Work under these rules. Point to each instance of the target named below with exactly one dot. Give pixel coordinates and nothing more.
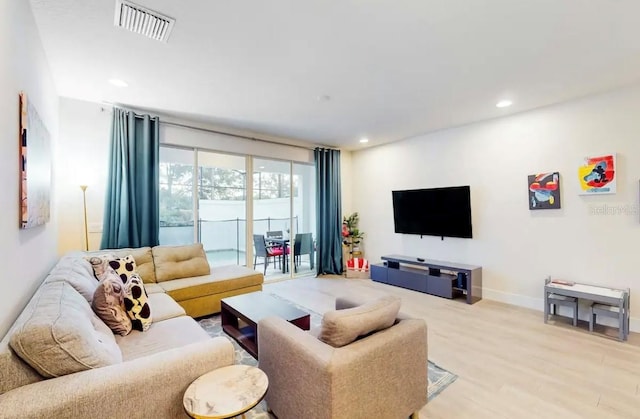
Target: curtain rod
(176, 124)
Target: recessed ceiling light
(118, 82)
(504, 103)
(261, 167)
(364, 140)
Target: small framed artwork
(544, 191)
(597, 175)
(35, 167)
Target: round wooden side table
(226, 392)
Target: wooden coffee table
(250, 309)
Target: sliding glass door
(222, 201)
(283, 218)
(176, 196)
(304, 212)
(272, 223)
(204, 198)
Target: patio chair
(303, 245)
(264, 252)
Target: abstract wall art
(597, 175)
(544, 191)
(35, 167)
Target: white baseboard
(538, 304)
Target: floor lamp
(84, 207)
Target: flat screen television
(443, 212)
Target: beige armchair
(382, 375)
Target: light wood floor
(509, 363)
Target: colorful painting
(597, 175)
(544, 191)
(35, 167)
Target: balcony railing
(224, 241)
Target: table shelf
(613, 297)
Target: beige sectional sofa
(60, 360)
(184, 274)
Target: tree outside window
(176, 189)
(273, 185)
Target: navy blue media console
(435, 277)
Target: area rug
(439, 378)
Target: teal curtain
(131, 215)
(328, 211)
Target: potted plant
(352, 236)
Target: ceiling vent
(138, 19)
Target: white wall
(83, 157)
(25, 255)
(347, 182)
(516, 247)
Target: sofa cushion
(152, 288)
(161, 336)
(173, 262)
(164, 307)
(221, 279)
(143, 257)
(14, 372)
(341, 327)
(76, 271)
(108, 304)
(136, 302)
(63, 335)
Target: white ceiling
(393, 69)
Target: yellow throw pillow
(173, 262)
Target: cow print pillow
(136, 302)
(124, 267)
